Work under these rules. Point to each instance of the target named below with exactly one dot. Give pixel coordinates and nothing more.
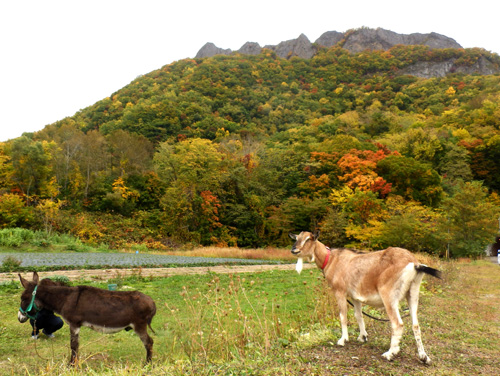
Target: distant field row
(93, 260)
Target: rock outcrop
(381, 39)
(210, 49)
(353, 41)
(330, 38)
(428, 69)
(363, 39)
(300, 47)
(250, 48)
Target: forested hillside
(240, 150)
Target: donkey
(379, 279)
(101, 310)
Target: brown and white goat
(379, 279)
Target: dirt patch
(106, 274)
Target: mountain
(365, 39)
(381, 39)
(240, 148)
(354, 41)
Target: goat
(101, 310)
(379, 279)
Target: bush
(11, 264)
(13, 211)
(15, 237)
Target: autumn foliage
(240, 150)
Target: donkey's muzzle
(22, 318)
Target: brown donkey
(102, 310)
(379, 279)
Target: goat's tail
(428, 270)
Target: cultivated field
(269, 323)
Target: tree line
(240, 150)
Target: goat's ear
(35, 278)
(292, 236)
(316, 235)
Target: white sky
(59, 56)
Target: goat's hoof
(424, 359)
(342, 341)
(388, 356)
(363, 338)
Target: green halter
(31, 306)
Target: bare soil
(106, 274)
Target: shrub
(13, 211)
(14, 237)
(11, 264)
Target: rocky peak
(250, 48)
(300, 47)
(210, 49)
(330, 38)
(354, 41)
(364, 39)
(381, 39)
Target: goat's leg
(412, 298)
(392, 309)
(358, 313)
(74, 343)
(142, 332)
(342, 303)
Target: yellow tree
(192, 170)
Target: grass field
(273, 323)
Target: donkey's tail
(150, 319)
(150, 328)
(428, 270)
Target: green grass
(20, 239)
(273, 323)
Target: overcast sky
(57, 57)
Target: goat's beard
(299, 265)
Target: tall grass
(235, 319)
(272, 323)
(18, 237)
(234, 252)
(202, 323)
(14, 237)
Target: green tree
(411, 179)
(93, 159)
(192, 170)
(31, 165)
(65, 157)
(195, 162)
(131, 154)
(412, 226)
(455, 167)
(471, 218)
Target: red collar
(327, 258)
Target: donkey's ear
(24, 282)
(35, 278)
(316, 234)
(292, 236)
